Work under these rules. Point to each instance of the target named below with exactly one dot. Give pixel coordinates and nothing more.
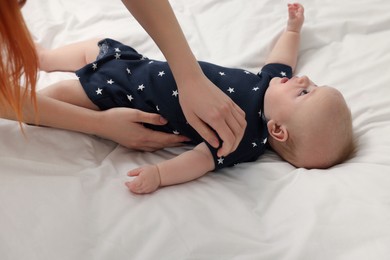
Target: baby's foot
(147, 179)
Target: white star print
(246, 72)
(260, 113)
(161, 73)
(157, 108)
(283, 73)
(141, 87)
(117, 50)
(99, 91)
(130, 97)
(175, 93)
(117, 55)
(255, 88)
(265, 140)
(150, 62)
(94, 66)
(128, 71)
(110, 81)
(220, 160)
(176, 132)
(222, 73)
(254, 144)
(230, 90)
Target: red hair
(18, 59)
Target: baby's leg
(69, 91)
(69, 57)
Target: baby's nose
(303, 80)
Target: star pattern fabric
(121, 77)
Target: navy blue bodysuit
(121, 77)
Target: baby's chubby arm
(185, 167)
(286, 48)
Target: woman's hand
(206, 108)
(124, 126)
(204, 105)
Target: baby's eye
(303, 92)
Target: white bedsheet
(62, 194)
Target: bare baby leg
(69, 57)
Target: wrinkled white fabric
(62, 194)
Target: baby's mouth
(284, 80)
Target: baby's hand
(147, 179)
(295, 17)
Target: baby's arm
(186, 167)
(286, 48)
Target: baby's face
(318, 118)
(284, 97)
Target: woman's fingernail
(214, 143)
(163, 120)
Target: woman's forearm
(167, 34)
(57, 114)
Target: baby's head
(309, 126)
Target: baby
(307, 125)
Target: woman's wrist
(188, 71)
(97, 123)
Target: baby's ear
(278, 132)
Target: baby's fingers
(134, 172)
(295, 9)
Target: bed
(62, 194)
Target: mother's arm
(204, 105)
(121, 125)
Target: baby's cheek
(273, 81)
